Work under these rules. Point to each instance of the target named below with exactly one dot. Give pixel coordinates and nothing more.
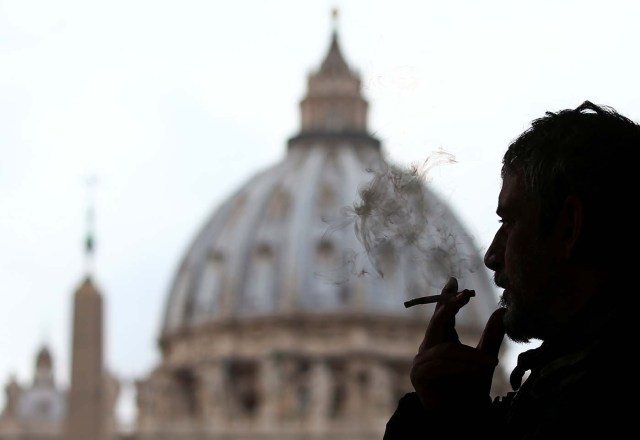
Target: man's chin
(515, 327)
(517, 338)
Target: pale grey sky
(173, 105)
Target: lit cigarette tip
(422, 300)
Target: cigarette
(423, 300)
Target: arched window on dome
(237, 209)
(211, 283)
(278, 206)
(258, 290)
(326, 202)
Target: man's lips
(500, 281)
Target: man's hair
(586, 152)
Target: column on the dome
(357, 382)
(269, 383)
(164, 397)
(153, 400)
(212, 395)
(288, 408)
(379, 401)
(320, 394)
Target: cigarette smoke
(394, 217)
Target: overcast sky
(172, 105)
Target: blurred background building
(273, 328)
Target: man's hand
(447, 374)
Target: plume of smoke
(392, 211)
(395, 218)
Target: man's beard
(519, 322)
(528, 308)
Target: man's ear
(571, 225)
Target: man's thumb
(493, 334)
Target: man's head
(568, 186)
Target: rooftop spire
(333, 109)
(334, 20)
(334, 62)
(89, 241)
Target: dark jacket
(582, 384)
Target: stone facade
(304, 377)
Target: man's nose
(493, 255)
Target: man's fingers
(493, 334)
(442, 327)
(451, 288)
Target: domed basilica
(275, 325)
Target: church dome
(286, 317)
(273, 247)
